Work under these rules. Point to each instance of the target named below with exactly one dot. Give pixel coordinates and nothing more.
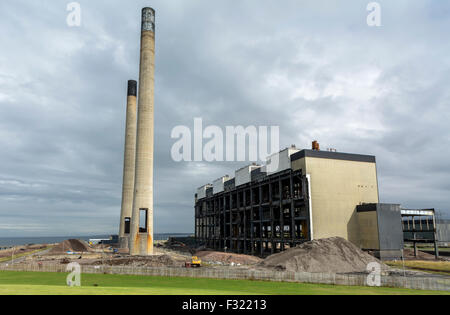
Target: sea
(17, 241)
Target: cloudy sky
(314, 68)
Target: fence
(417, 283)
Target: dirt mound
(77, 246)
(150, 261)
(331, 255)
(228, 258)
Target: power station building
(312, 194)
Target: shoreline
(10, 242)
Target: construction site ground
(333, 255)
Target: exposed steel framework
(259, 218)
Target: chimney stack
(128, 166)
(315, 146)
(141, 238)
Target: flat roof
(333, 156)
(418, 212)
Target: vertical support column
(436, 247)
(128, 166)
(308, 203)
(237, 226)
(195, 224)
(245, 222)
(230, 237)
(141, 243)
(291, 191)
(272, 224)
(280, 189)
(260, 222)
(252, 225)
(219, 222)
(224, 235)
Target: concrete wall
(337, 187)
(390, 227)
(443, 231)
(368, 225)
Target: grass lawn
(100, 284)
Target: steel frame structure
(259, 218)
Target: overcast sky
(314, 68)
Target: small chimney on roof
(315, 146)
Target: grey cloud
(312, 67)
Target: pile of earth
(177, 244)
(137, 261)
(72, 245)
(227, 258)
(331, 255)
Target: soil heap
(331, 255)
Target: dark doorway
(127, 225)
(143, 217)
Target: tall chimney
(128, 166)
(141, 241)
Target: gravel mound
(331, 255)
(78, 246)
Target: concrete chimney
(128, 166)
(141, 238)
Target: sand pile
(78, 246)
(150, 261)
(228, 258)
(331, 255)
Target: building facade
(311, 195)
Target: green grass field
(99, 284)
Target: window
(143, 216)
(127, 225)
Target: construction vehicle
(194, 263)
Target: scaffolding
(265, 216)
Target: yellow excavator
(194, 263)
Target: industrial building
(311, 194)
